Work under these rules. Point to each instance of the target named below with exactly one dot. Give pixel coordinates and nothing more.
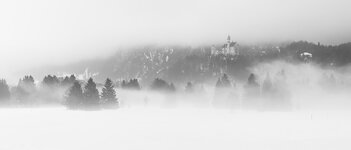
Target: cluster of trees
(267, 95)
(132, 84)
(325, 55)
(27, 92)
(85, 95)
(223, 82)
(65, 90)
(88, 98)
(4, 91)
(189, 87)
(162, 85)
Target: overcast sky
(43, 32)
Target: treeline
(89, 98)
(269, 94)
(71, 92)
(325, 55)
(181, 64)
(63, 90)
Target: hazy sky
(43, 32)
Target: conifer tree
(51, 81)
(27, 82)
(267, 84)
(91, 94)
(68, 81)
(4, 90)
(225, 81)
(162, 85)
(74, 98)
(25, 90)
(189, 87)
(219, 83)
(172, 87)
(108, 95)
(251, 81)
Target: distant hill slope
(182, 64)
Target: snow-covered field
(172, 129)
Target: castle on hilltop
(229, 48)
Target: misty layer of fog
(289, 105)
(270, 86)
(175, 74)
(36, 33)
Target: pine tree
(25, 90)
(132, 84)
(4, 90)
(124, 84)
(162, 85)
(51, 81)
(72, 78)
(75, 96)
(65, 81)
(27, 82)
(225, 81)
(251, 81)
(135, 84)
(159, 84)
(189, 87)
(91, 94)
(267, 84)
(108, 95)
(219, 83)
(172, 87)
(68, 81)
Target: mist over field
(271, 104)
(175, 74)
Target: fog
(305, 87)
(281, 86)
(38, 33)
(42, 129)
(318, 116)
(281, 104)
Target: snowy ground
(172, 129)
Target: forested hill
(325, 55)
(181, 64)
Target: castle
(229, 48)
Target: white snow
(172, 129)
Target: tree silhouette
(68, 81)
(159, 84)
(189, 87)
(223, 82)
(51, 81)
(172, 87)
(27, 82)
(4, 90)
(267, 85)
(162, 85)
(252, 93)
(132, 84)
(91, 94)
(251, 81)
(25, 90)
(108, 95)
(65, 81)
(74, 98)
(219, 83)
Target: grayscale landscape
(166, 74)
